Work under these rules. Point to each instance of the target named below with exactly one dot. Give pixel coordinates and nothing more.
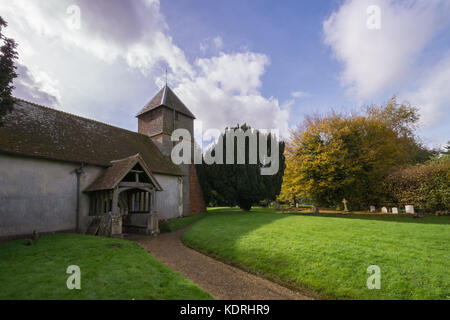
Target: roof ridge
(77, 116)
(160, 100)
(44, 132)
(137, 155)
(164, 96)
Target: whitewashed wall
(168, 201)
(41, 195)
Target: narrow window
(137, 205)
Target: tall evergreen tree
(8, 54)
(240, 184)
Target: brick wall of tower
(159, 125)
(151, 123)
(197, 203)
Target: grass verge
(110, 269)
(330, 255)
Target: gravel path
(222, 281)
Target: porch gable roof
(117, 172)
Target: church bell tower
(158, 119)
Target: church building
(64, 173)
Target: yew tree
(240, 184)
(8, 54)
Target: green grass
(330, 255)
(180, 223)
(110, 269)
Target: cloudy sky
(267, 63)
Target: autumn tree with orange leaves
(348, 156)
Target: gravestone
(345, 205)
(296, 205)
(409, 209)
(372, 209)
(395, 210)
(384, 210)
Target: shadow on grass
(328, 258)
(268, 216)
(231, 234)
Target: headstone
(384, 210)
(395, 210)
(296, 205)
(372, 209)
(409, 209)
(345, 205)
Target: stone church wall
(41, 195)
(168, 200)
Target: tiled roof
(166, 97)
(114, 174)
(38, 131)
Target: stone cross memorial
(345, 205)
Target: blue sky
(267, 63)
(289, 32)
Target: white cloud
(37, 86)
(433, 94)
(98, 35)
(157, 48)
(226, 93)
(376, 60)
(211, 45)
(218, 42)
(96, 70)
(239, 72)
(299, 94)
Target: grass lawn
(110, 269)
(330, 255)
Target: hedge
(425, 186)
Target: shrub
(426, 186)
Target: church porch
(123, 200)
